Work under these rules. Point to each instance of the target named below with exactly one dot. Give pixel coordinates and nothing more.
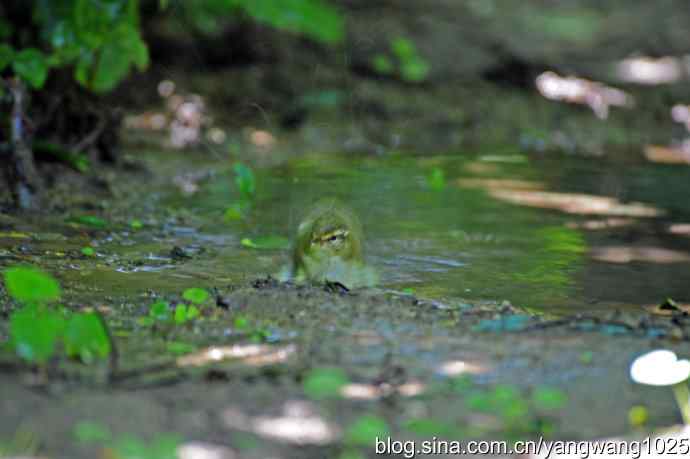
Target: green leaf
(160, 311)
(30, 64)
(313, 18)
(178, 347)
(382, 64)
(415, 70)
(549, 399)
(34, 331)
(180, 314)
(437, 179)
(89, 220)
(86, 337)
(195, 295)
(266, 242)
(6, 55)
(31, 285)
(326, 382)
(91, 432)
(88, 251)
(403, 48)
(365, 429)
(192, 312)
(244, 180)
(136, 224)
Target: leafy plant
(195, 295)
(245, 181)
(313, 18)
(35, 332)
(31, 285)
(364, 430)
(36, 329)
(184, 313)
(326, 382)
(86, 337)
(100, 41)
(408, 64)
(162, 446)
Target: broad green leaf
(86, 337)
(180, 314)
(365, 429)
(326, 382)
(31, 285)
(34, 331)
(6, 55)
(30, 64)
(88, 251)
(192, 312)
(266, 242)
(89, 220)
(160, 311)
(195, 295)
(313, 18)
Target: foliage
(162, 313)
(195, 295)
(364, 430)
(245, 182)
(99, 40)
(89, 220)
(86, 337)
(30, 285)
(326, 382)
(37, 329)
(437, 179)
(315, 19)
(162, 446)
(88, 251)
(408, 65)
(184, 313)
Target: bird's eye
(333, 238)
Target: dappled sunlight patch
(629, 254)
(649, 70)
(667, 155)
(584, 204)
(682, 229)
(262, 139)
(250, 354)
(499, 184)
(597, 96)
(360, 391)
(606, 223)
(460, 367)
(297, 424)
(202, 450)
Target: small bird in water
(328, 247)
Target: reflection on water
(521, 231)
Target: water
(496, 230)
